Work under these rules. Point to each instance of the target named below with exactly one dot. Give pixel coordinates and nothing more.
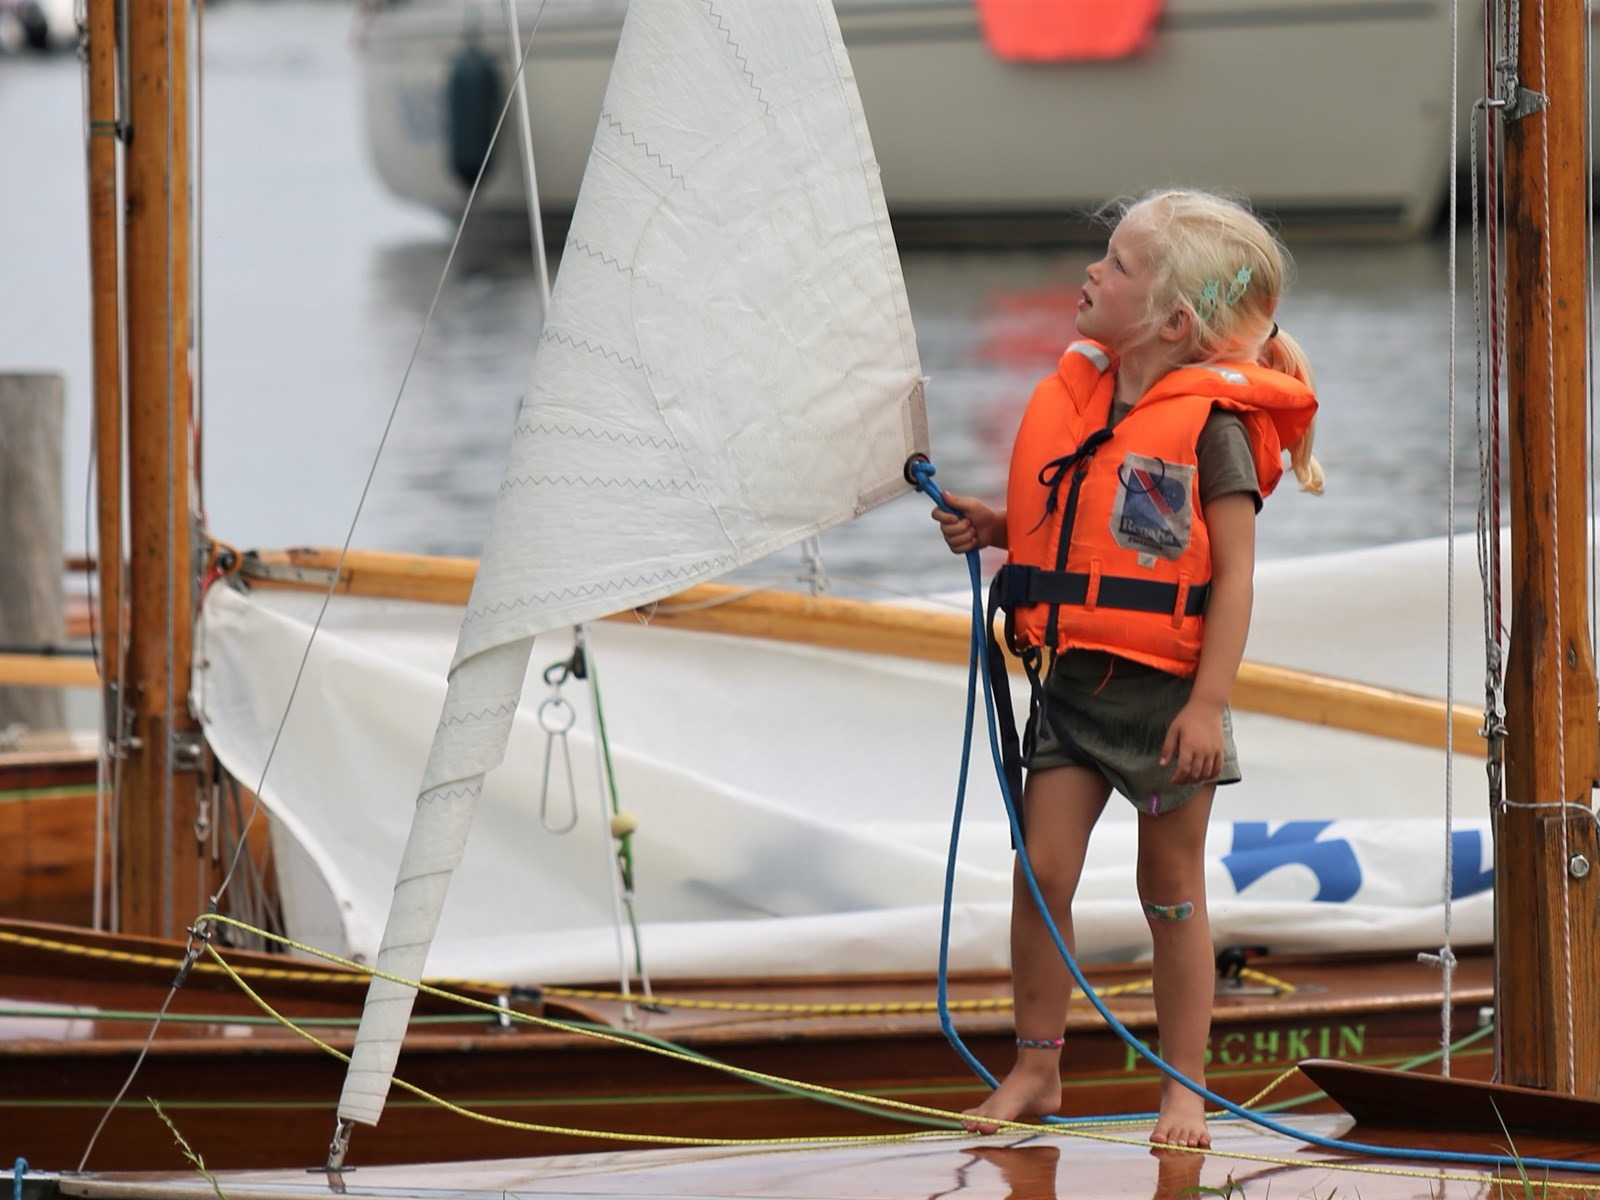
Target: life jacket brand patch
(1152, 513)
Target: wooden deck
(1246, 1163)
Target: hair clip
(1237, 287)
(1207, 304)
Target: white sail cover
(727, 367)
(794, 803)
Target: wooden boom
(892, 629)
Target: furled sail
(727, 367)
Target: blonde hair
(1212, 256)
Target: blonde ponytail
(1282, 353)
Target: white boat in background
(38, 25)
(1351, 135)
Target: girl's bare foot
(1182, 1120)
(1025, 1094)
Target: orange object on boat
(1063, 30)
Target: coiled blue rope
(18, 1170)
(920, 472)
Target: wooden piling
(32, 413)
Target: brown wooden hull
(47, 824)
(254, 1095)
(1397, 1100)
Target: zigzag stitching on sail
(638, 485)
(626, 439)
(482, 714)
(566, 339)
(455, 793)
(614, 263)
(744, 63)
(643, 146)
(693, 571)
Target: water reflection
(1374, 319)
(1031, 1170)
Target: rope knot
(1054, 472)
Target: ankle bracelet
(1040, 1043)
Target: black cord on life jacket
(1054, 471)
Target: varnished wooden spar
(854, 625)
(1547, 887)
(105, 318)
(48, 671)
(1547, 910)
(164, 870)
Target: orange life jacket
(1109, 546)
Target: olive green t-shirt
(1225, 464)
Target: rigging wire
(1487, 325)
(1445, 959)
(366, 488)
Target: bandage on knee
(1169, 912)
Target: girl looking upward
(1130, 517)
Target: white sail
(727, 367)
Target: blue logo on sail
(1334, 863)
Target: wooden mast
(1547, 867)
(1546, 881)
(105, 224)
(162, 883)
(105, 313)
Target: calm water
(316, 283)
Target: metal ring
(566, 716)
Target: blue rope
(18, 1170)
(921, 472)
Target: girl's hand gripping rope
(967, 524)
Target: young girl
(1130, 524)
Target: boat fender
(473, 99)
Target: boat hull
(971, 146)
(52, 825)
(256, 1095)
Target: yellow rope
(1269, 1089)
(358, 975)
(1281, 986)
(1088, 1130)
(896, 1008)
(155, 960)
(666, 1139)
